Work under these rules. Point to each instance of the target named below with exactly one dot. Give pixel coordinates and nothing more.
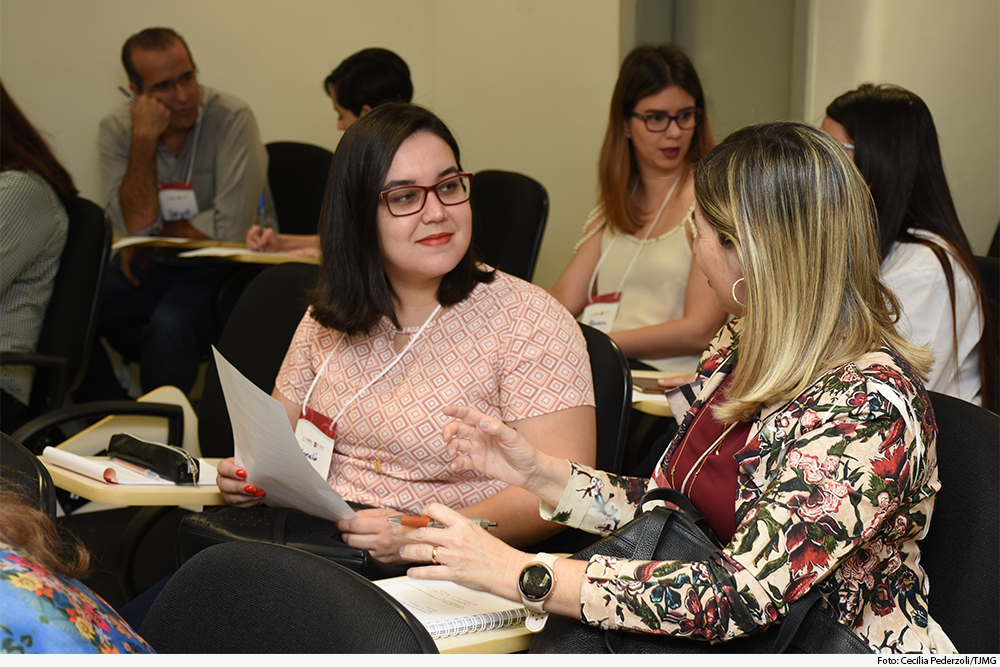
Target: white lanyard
(375, 379)
(194, 146)
(628, 269)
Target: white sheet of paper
(267, 449)
(127, 241)
(213, 251)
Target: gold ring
(434, 556)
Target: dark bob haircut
(370, 77)
(353, 292)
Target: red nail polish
(259, 494)
(242, 474)
(249, 489)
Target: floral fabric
(834, 490)
(43, 612)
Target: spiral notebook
(447, 609)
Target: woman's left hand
(464, 553)
(370, 531)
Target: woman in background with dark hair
(632, 274)
(33, 225)
(926, 258)
(363, 81)
(404, 321)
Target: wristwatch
(536, 583)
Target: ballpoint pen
(260, 217)
(127, 93)
(422, 521)
(149, 474)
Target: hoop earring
(741, 305)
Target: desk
(128, 494)
(208, 249)
(651, 404)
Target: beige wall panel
(524, 84)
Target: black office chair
(255, 340)
(612, 395)
(63, 347)
(22, 473)
(613, 400)
(989, 270)
(297, 174)
(509, 211)
(962, 547)
(251, 597)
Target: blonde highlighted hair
(804, 228)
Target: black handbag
(681, 533)
(278, 525)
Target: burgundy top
(703, 466)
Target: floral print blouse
(43, 612)
(834, 490)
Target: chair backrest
(71, 316)
(613, 396)
(297, 174)
(962, 547)
(22, 473)
(509, 211)
(255, 340)
(989, 269)
(253, 597)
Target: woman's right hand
(480, 442)
(232, 481)
(263, 240)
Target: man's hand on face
(150, 117)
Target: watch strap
(537, 616)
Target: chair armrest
(174, 414)
(32, 359)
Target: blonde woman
(810, 446)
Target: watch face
(535, 582)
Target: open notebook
(447, 609)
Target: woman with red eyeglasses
(405, 321)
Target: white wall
(523, 84)
(948, 53)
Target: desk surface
(121, 494)
(208, 249)
(652, 404)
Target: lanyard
(642, 244)
(194, 146)
(381, 373)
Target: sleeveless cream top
(654, 288)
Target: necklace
(376, 462)
(413, 338)
(700, 463)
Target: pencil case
(167, 461)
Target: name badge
(177, 201)
(316, 445)
(601, 312)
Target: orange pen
(421, 521)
